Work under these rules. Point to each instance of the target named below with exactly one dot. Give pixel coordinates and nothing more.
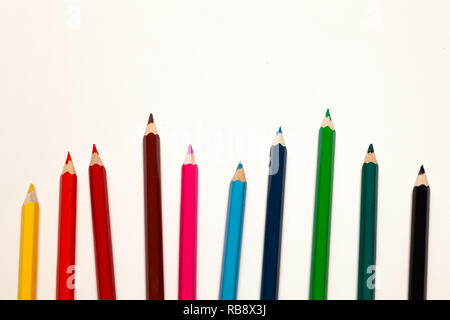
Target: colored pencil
(102, 232)
(187, 274)
(28, 247)
(233, 235)
(419, 238)
(322, 211)
(368, 227)
(153, 219)
(65, 273)
(274, 219)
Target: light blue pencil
(233, 236)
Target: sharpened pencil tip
(328, 114)
(279, 131)
(190, 150)
(150, 119)
(69, 158)
(240, 166)
(31, 188)
(94, 149)
(370, 150)
(422, 170)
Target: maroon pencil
(153, 219)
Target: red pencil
(102, 233)
(65, 274)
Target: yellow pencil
(28, 247)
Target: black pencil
(274, 219)
(419, 238)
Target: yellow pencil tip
(31, 189)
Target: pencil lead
(239, 174)
(279, 138)
(328, 114)
(69, 158)
(190, 158)
(31, 188)
(68, 166)
(150, 119)
(31, 195)
(371, 150)
(422, 170)
(94, 149)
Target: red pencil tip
(150, 119)
(190, 150)
(94, 149)
(69, 158)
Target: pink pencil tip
(190, 150)
(94, 149)
(69, 158)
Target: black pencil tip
(370, 150)
(422, 170)
(150, 119)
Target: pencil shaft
(322, 215)
(153, 218)
(65, 277)
(102, 233)
(187, 277)
(368, 232)
(28, 251)
(419, 244)
(274, 223)
(233, 239)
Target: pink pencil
(187, 274)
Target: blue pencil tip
(240, 166)
(279, 131)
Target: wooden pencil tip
(328, 114)
(239, 174)
(279, 131)
(31, 188)
(31, 195)
(422, 170)
(94, 149)
(370, 150)
(69, 158)
(150, 119)
(190, 150)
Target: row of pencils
(187, 277)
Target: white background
(223, 75)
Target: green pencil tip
(370, 149)
(328, 114)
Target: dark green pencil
(368, 227)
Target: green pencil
(322, 211)
(368, 227)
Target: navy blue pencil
(274, 219)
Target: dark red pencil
(65, 274)
(102, 232)
(153, 220)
